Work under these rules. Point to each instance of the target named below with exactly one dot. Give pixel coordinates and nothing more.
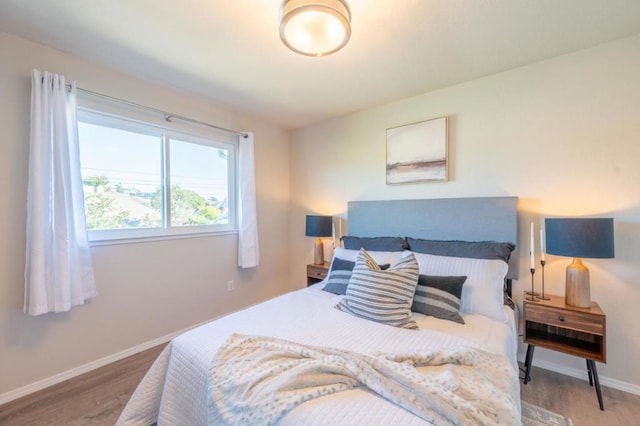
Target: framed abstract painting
(417, 152)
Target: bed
(185, 380)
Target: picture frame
(418, 152)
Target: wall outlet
(230, 285)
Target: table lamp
(319, 226)
(579, 238)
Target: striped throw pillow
(439, 297)
(382, 296)
(340, 274)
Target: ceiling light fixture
(315, 27)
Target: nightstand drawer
(317, 273)
(570, 320)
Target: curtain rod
(168, 116)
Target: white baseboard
(66, 375)
(582, 374)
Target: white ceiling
(229, 51)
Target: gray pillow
(339, 275)
(375, 243)
(439, 297)
(468, 249)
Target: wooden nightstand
(316, 273)
(554, 325)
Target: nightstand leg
(590, 375)
(527, 363)
(596, 381)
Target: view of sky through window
(123, 183)
(200, 168)
(128, 158)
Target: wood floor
(94, 398)
(98, 397)
(577, 400)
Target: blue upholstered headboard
(464, 219)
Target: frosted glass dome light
(315, 27)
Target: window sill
(149, 239)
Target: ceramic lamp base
(577, 290)
(318, 254)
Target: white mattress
(175, 390)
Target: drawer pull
(561, 318)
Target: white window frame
(166, 134)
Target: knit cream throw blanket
(257, 380)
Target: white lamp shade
(315, 27)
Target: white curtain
(248, 248)
(58, 271)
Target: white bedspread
(175, 390)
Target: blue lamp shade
(319, 226)
(583, 237)
(590, 238)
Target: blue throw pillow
(375, 243)
(469, 249)
(439, 297)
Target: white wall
(147, 290)
(563, 135)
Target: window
(141, 180)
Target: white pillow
(482, 292)
(381, 257)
